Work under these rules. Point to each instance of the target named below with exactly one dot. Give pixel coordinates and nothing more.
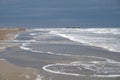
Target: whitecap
(25, 48)
(105, 75)
(32, 34)
(25, 41)
(90, 36)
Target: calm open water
(60, 13)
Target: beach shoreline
(8, 34)
(9, 71)
(58, 58)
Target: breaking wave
(107, 38)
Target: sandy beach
(9, 71)
(8, 34)
(43, 55)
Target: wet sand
(37, 60)
(9, 71)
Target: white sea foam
(105, 75)
(32, 34)
(102, 68)
(39, 77)
(25, 41)
(2, 59)
(105, 30)
(107, 38)
(58, 72)
(16, 35)
(25, 48)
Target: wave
(107, 38)
(32, 34)
(24, 41)
(24, 46)
(105, 76)
(115, 31)
(93, 67)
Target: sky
(60, 13)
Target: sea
(59, 13)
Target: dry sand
(10, 71)
(8, 34)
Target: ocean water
(62, 41)
(59, 13)
(107, 38)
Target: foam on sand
(57, 71)
(39, 77)
(103, 68)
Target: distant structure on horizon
(73, 27)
